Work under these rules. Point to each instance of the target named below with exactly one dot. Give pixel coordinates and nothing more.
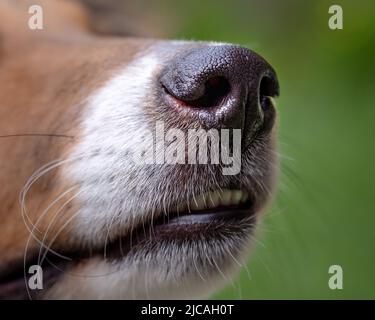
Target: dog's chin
(188, 255)
(169, 271)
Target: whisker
(33, 178)
(60, 230)
(196, 267)
(41, 217)
(22, 196)
(107, 236)
(47, 135)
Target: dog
(77, 207)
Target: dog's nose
(225, 86)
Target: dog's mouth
(203, 216)
(208, 208)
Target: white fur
(114, 123)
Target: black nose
(225, 86)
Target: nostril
(268, 88)
(216, 90)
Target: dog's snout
(228, 86)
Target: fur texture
(79, 189)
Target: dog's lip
(181, 226)
(208, 216)
(184, 223)
(175, 225)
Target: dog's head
(133, 168)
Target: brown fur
(45, 76)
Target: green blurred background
(324, 212)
